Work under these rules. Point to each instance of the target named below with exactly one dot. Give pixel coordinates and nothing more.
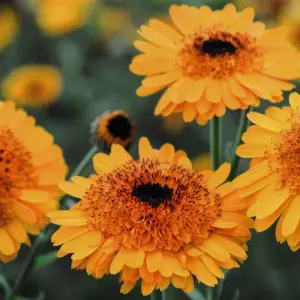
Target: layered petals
(143, 219)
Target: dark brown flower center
(215, 47)
(120, 127)
(152, 194)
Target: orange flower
(9, 26)
(113, 128)
(208, 61)
(153, 219)
(290, 16)
(202, 162)
(272, 184)
(30, 168)
(58, 17)
(33, 85)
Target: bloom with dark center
(113, 127)
(272, 184)
(30, 168)
(33, 85)
(153, 219)
(208, 61)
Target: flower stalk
(215, 129)
(158, 295)
(243, 125)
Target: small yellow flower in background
(113, 127)
(153, 219)
(173, 124)
(272, 184)
(9, 26)
(291, 16)
(33, 85)
(270, 8)
(57, 17)
(208, 61)
(116, 21)
(30, 168)
(202, 162)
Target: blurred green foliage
(97, 78)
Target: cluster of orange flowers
(154, 218)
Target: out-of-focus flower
(33, 85)
(30, 168)
(272, 184)
(270, 8)
(202, 162)
(9, 26)
(208, 61)
(114, 22)
(153, 219)
(291, 16)
(113, 127)
(173, 124)
(57, 17)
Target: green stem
(26, 266)
(243, 125)
(82, 165)
(215, 142)
(209, 293)
(157, 295)
(28, 262)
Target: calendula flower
(290, 16)
(153, 219)
(57, 17)
(33, 85)
(173, 124)
(114, 22)
(113, 127)
(272, 184)
(30, 168)
(270, 8)
(208, 61)
(202, 162)
(9, 26)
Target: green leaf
(44, 259)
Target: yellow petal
(145, 148)
(154, 260)
(7, 246)
(219, 176)
(292, 217)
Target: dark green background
(97, 78)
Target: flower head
(271, 8)
(202, 162)
(9, 26)
(290, 16)
(58, 17)
(272, 184)
(30, 168)
(33, 85)
(208, 61)
(153, 219)
(113, 127)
